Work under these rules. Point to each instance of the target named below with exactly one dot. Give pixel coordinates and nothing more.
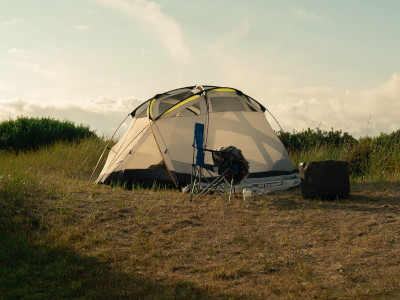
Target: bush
(385, 141)
(359, 157)
(311, 138)
(25, 134)
(369, 158)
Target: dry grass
(275, 246)
(64, 238)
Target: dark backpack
(231, 157)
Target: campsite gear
(157, 146)
(229, 156)
(228, 161)
(325, 179)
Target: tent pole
(162, 156)
(284, 134)
(101, 156)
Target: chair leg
(224, 190)
(193, 181)
(230, 191)
(213, 184)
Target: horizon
(313, 65)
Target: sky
(313, 64)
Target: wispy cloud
(163, 26)
(81, 28)
(300, 107)
(305, 15)
(230, 37)
(5, 88)
(314, 92)
(18, 53)
(30, 61)
(310, 106)
(351, 111)
(369, 111)
(11, 22)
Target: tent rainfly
(157, 147)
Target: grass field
(62, 237)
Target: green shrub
(311, 138)
(359, 157)
(387, 153)
(25, 133)
(376, 158)
(387, 141)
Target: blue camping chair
(210, 182)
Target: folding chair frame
(197, 174)
(214, 185)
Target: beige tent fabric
(143, 155)
(233, 121)
(251, 133)
(177, 134)
(133, 137)
(248, 131)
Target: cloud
(5, 88)
(313, 91)
(363, 112)
(242, 71)
(164, 27)
(300, 107)
(81, 28)
(231, 37)
(12, 22)
(32, 62)
(359, 112)
(302, 14)
(18, 53)
(102, 114)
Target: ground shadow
(30, 270)
(383, 197)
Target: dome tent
(157, 147)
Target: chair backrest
(198, 142)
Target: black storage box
(325, 179)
